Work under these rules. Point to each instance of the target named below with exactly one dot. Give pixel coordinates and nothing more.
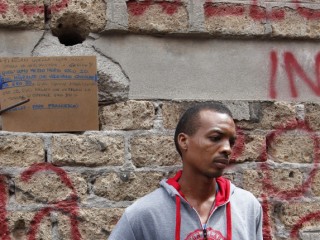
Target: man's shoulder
(243, 195)
(153, 201)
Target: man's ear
(183, 140)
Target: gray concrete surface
(18, 42)
(180, 68)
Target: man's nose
(226, 148)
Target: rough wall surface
(156, 58)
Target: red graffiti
(69, 206)
(218, 10)
(239, 146)
(139, 8)
(254, 11)
(257, 12)
(266, 221)
(58, 6)
(272, 191)
(292, 68)
(271, 137)
(295, 230)
(310, 14)
(4, 230)
(32, 9)
(3, 7)
(27, 175)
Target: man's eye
(232, 142)
(215, 138)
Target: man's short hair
(189, 121)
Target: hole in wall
(291, 174)
(19, 230)
(70, 38)
(71, 29)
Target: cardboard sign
(62, 93)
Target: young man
(197, 203)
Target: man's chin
(215, 174)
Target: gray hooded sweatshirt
(165, 214)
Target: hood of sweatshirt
(224, 191)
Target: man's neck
(197, 187)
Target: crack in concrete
(112, 60)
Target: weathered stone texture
(127, 186)
(148, 151)
(272, 181)
(235, 19)
(19, 224)
(171, 112)
(291, 213)
(315, 184)
(286, 179)
(278, 114)
(95, 150)
(312, 116)
(128, 115)
(72, 17)
(297, 23)
(310, 233)
(47, 187)
(22, 14)
(253, 181)
(164, 16)
(293, 148)
(254, 145)
(21, 151)
(95, 223)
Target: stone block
(298, 22)
(127, 186)
(20, 222)
(163, 16)
(172, 111)
(277, 115)
(117, 16)
(292, 148)
(22, 14)
(130, 115)
(73, 20)
(315, 184)
(45, 187)
(250, 149)
(240, 109)
(312, 115)
(85, 150)
(293, 212)
(150, 151)
(21, 151)
(253, 181)
(235, 19)
(272, 181)
(94, 223)
(310, 233)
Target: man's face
(207, 150)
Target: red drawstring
(178, 217)
(223, 194)
(229, 222)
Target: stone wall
(156, 58)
